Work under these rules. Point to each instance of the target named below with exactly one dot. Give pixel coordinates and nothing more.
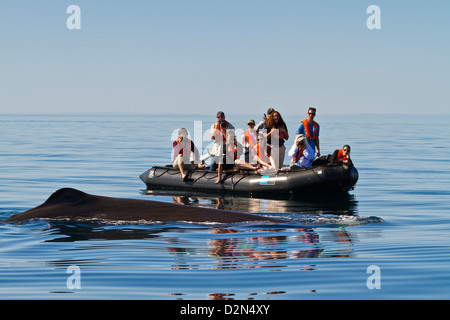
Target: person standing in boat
(218, 134)
(232, 150)
(276, 136)
(263, 149)
(263, 123)
(310, 129)
(301, 152)
(183, 151)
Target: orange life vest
(182, 151)
(340, 156)
(232, 150)
(249, 138)
(298, 155)
(315, 132)
(219, 132)
(263, 154)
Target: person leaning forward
(310, 129)
(342, 156)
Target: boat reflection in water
(238, 246)
(335, 204)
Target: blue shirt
(301, 130)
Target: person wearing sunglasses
(342, 156)
(310, 129)
(218, 134)
(219, 124)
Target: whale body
(72, 204)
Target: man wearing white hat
(301, 152)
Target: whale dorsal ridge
(65, 195)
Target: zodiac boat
(324, 178)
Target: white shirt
(218, 143)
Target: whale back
(72, 204)
(65, 195)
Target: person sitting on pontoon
(301, 152)
(183, 151)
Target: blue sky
(240, 56)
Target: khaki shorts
(187, 166)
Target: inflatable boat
(325, 178)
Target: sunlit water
(397, 218)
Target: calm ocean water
(397, 218)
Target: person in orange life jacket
(301, 152)
(218, 134)
(232, 150)
(261, 156)
(183, 150)
(218, 125)
(310, 129)
(342, 155)
(262, 128)
(276, 137)
(248, 140)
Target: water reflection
(337, 204)
(236, 251)
(213, 247)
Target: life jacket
(340, 156)
(184, 153)
(250, 139)
(263, 155)
(232, 151)
(315, 132)
(297, 155)
(219, 132)
(280, 135)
